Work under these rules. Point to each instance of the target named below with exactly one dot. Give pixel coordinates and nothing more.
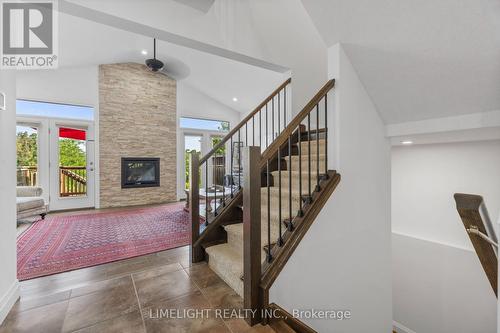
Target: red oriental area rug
(67, 242)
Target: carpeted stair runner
(227, 259)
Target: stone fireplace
(137, 136)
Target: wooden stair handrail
(244, 121)
(474, 215)
(295, 122)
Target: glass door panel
(71, 165)
(191, 143)
(27, 155)
(72, 162)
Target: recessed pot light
(407, 142)
(144, 52)
(235, 99)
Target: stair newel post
(197, 253)
(252, 293)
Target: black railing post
(326, 136)
(279, 114)
(284, 106)
(309, 198)
(253, 131)
(206, 192)
(267, 127)
(269, 256)
(300, 212)
(272, 118)
(260, 129)
(318, 188)
(231, 181)
(214, 178)
(280, 221)
(290, 217)
(239, 160)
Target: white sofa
(29, 202)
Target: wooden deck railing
(27, 175)
(73, 181)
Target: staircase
(278, 182)
(227, 259)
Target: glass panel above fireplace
(140, 172)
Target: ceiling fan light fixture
(154, 64)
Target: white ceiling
(418, 59)
(84, 42)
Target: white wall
(439, 289)
(67, 85)
(289, 38)
(9, 286)
(424, 179)
(344, 261)
(436, 273)
(193, 103)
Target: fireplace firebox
(140, 172)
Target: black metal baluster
(231, 181)
(214, 175)
(260, 129)
(253, 130)
(290, 225)
(223, 176)
(272, 119)
(318, 188)
(280, 239)
(326, 137)
(300, 212)
(267, 129)
(239, 160)
(269, 257)
(279, 114)
(309, 199)
(284, 108)
(206, 193)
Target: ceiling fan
(154, 64)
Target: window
(27, 155)
(204, 124)
(54, 110)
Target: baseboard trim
(8, 300)
(400, 328)
(294, 323)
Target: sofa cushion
(29, 191)
(26, 203)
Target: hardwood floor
(127, 296)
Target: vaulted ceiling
(418, 59)
(83, 42)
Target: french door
(71, 164)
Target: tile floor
(125, 296)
